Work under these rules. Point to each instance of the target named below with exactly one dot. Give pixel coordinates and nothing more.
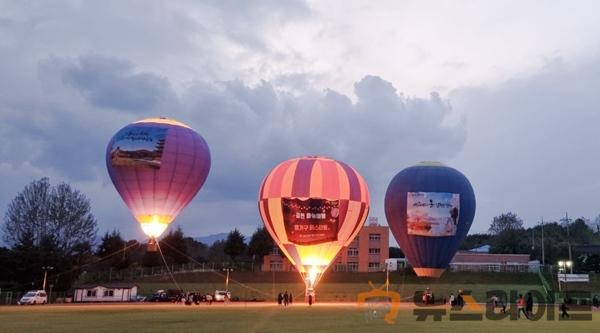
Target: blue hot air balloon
(429, 208)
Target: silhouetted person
(563, 310)
(454, 215)
(286, 298)
(280, 298)
(291, 299)
(310, 300)
(529, 306)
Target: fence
(136, 273)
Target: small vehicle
(169, 295)
(222, 295)
(33, 297)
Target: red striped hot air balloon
(157, 165)
(312, 207)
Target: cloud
(111, 83)
(533, 143)
(250, 128)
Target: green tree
(260, 244)
(49, 226)
(504, 222)
(216, 252)
(475, 240)
(113, 248)
(174, 247)
(509, 236)
(235, 245)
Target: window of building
(374, 266)
(340, 268)
(109, 293)
(275, 250)
(352, 252)
(374, 237)
(374, 250)
(276, 266)
(91, 293)
(352, 267)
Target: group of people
(456, 301)
(525, 306)
(285, 298)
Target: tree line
(507, 234)
(52, 228)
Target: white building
(395, 264)
(106, 292)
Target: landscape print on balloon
(433, 214)
(139, 147)
(311, 221)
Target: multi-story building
(367, 252)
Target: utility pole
(543, 254)
(569, 240)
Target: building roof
(488, 258)
(112, 285)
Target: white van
(34, 297)
(222, 296)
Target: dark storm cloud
(111, 83)
(74, 74)
(250, 128)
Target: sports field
(253, 317)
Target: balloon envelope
(312, 207)
(157, 165)
(429, 208)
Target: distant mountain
(210, 239)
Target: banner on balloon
(138, 147)
(433, 214)
(311, 221)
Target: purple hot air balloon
(157, 165)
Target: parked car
(170, 295)
(222, 295)
(34, 297)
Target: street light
(563, 265)
(228, 270)
(46, 269)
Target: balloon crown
(430, 163)
(162, 120)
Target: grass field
(266, 318)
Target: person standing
(563, 310)
(286, 298)
(310, 299)
(452, 301)
(521, 307)
(279, 298)
(529, 305)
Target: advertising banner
(433, 214)
(310, 221)
(139, 146)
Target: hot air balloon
(157, 165)
(312, 207)
(429, 208)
